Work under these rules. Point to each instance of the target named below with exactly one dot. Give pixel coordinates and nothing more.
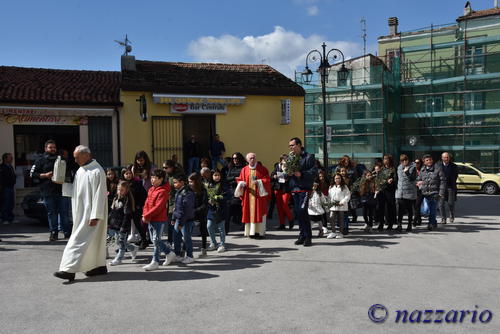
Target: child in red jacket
(155, 215)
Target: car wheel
(490, 188)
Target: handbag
(424, 208)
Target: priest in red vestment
(254, 187)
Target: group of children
(332, 203)
(198, 200)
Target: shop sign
(198, 99)
(198, 108)
(37, 119)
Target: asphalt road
(268, 286)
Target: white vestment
(86, 248)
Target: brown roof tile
(50, 86)
(209, 78)
(480, 13)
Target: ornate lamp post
(324, 70)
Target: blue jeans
(64, 224)
(54, 206)
(212, 230)
(123, 245)
(219, 159)
(300, 203)
(433, 203)
(8, 202)
(193, 165)
(155, 232)
(184, 233)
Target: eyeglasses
(165, 167)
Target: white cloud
(312, 11)
(284, 50)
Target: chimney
(128, 63)
(467, 9)
(393, 25)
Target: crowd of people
(144, 202)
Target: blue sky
(79, 34)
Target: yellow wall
(253, 126)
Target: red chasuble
(254, 206)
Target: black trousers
(390, 207)
(405, 206)
(369, 213)
(417, 217)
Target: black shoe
(399, 229)
(53, 236)
(97, 271)
(65, 275)
(143, 244)
(307, 242)
(290, 225)
(429, 227)
(299, 241)
(280, 227)
(389, 228)
(380, 227)
(67, 235)
(409, 228)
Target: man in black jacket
(450, 171)
(300, 184)
(51, 192)
(7, 183)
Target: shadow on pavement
(160, 275)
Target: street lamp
(324, 70)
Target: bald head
(251, 159)
(82, 155)
(446, 157)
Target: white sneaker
(133, 253)
(221, 249)
(152, 266)
(325, 230)
(188, 260)
(212, 247)
(339, 236)
(169, 258)
(116, 261)
(331, 236)
(203, 253)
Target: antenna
(126, 44)
(363, 29)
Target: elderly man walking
(86, 248)
(255, 184)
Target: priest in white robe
(86, 248)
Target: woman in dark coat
(234, 203)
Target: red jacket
(155, 208)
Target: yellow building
(251, 107)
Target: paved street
(266, 286)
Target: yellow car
(473, 178)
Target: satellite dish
(412, 140)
